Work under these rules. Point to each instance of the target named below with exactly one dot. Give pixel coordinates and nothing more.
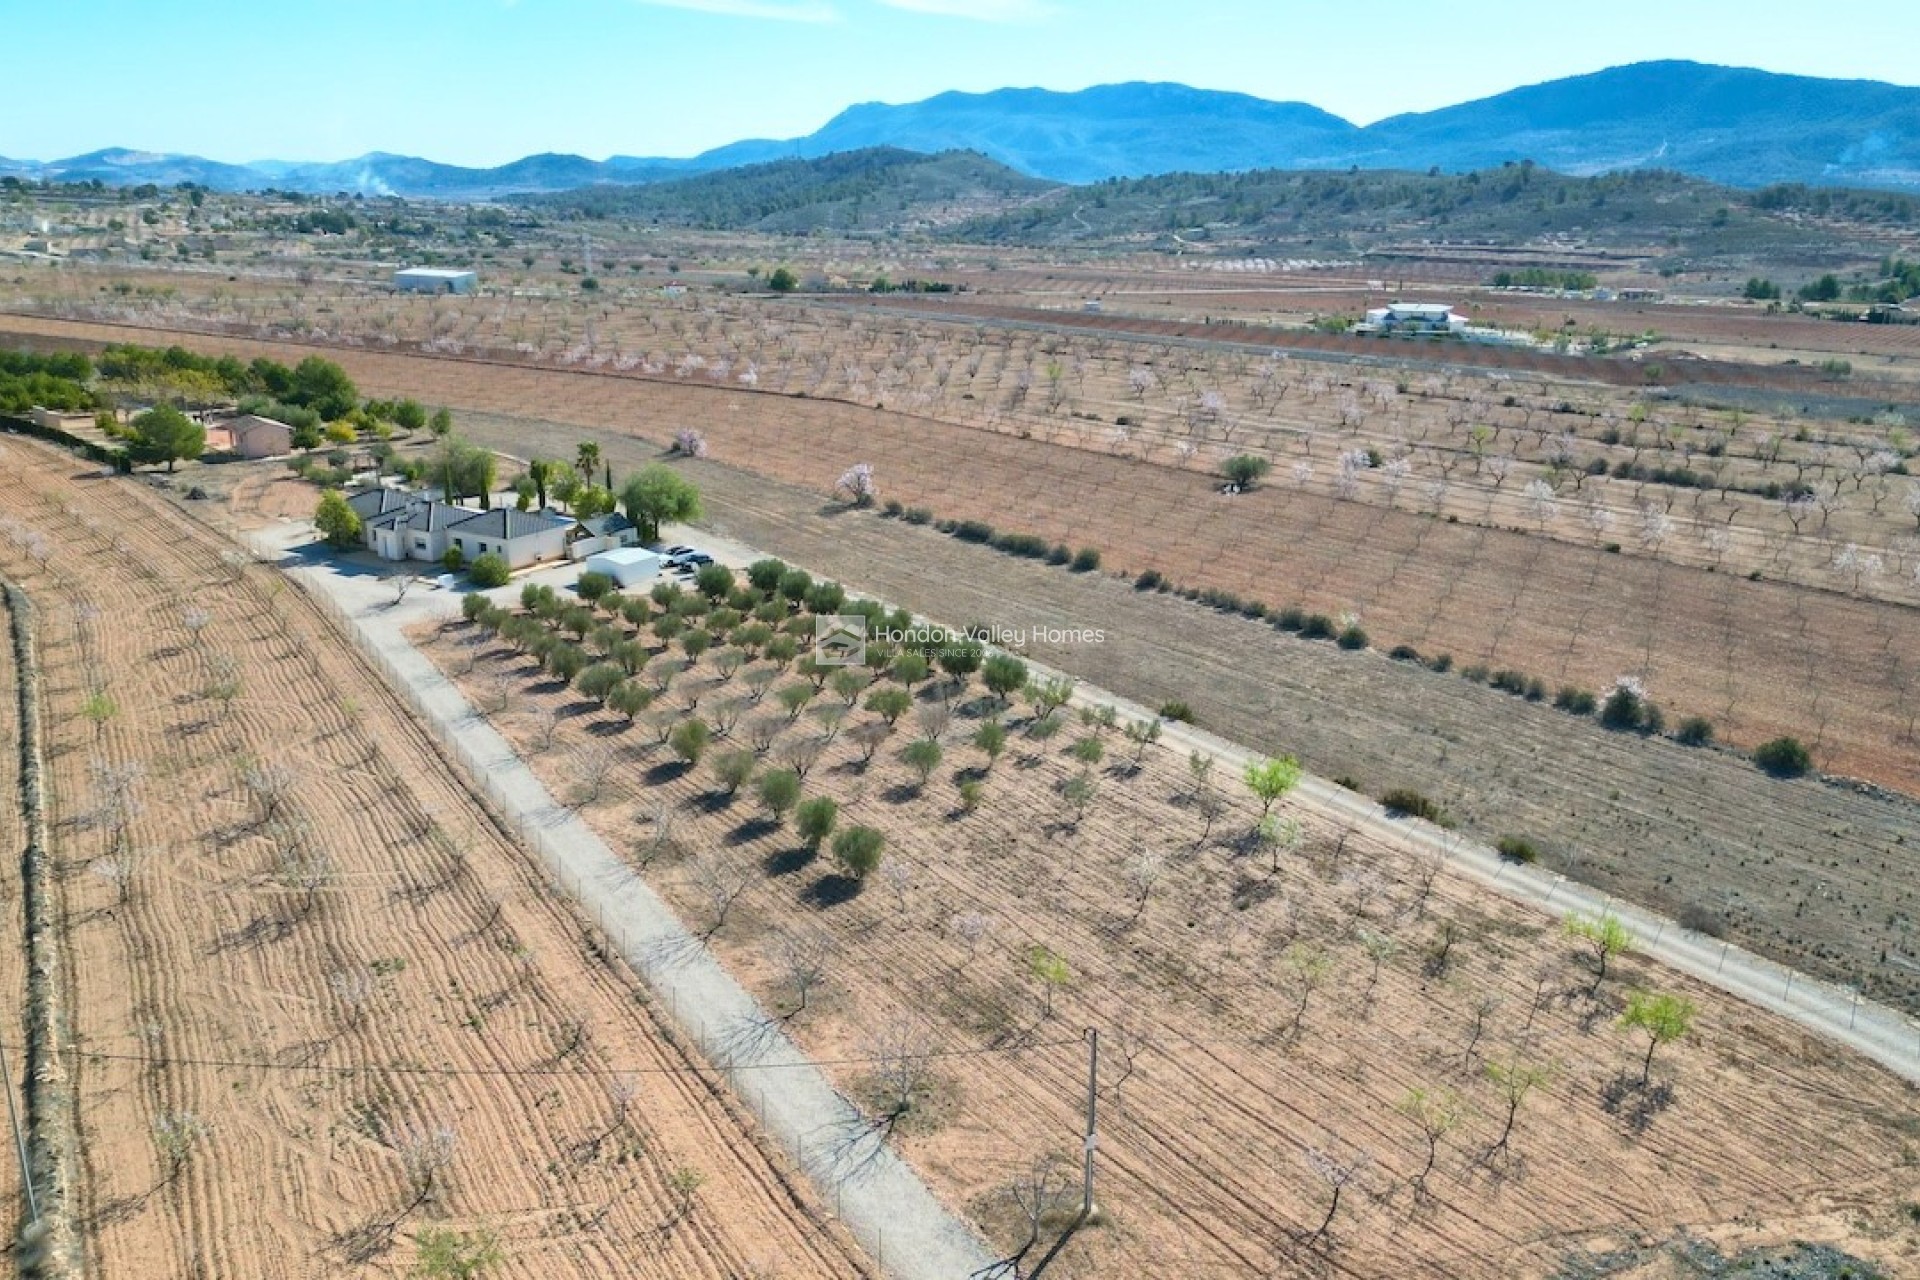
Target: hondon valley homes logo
(840, 639)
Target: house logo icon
(840, 639)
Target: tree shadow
(1250, 892)
(832, 891)
(901, 792)
(750, 830)
(1635, 1102)
(666, 771)
(712, 802)
(362, 1244)
(786, 862)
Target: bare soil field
(1758, 658)
(1572, 462)
(1388, 424)
(322, 1009)
(1255, 1051)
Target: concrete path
(1834, 1013)
(875, 1193)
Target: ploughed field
(1268, 1012)
(322, 1010)
(1815, 877)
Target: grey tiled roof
(369, 503)
(607, 525)
(505, 522)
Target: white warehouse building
(626, 565)
(1415, 317)
(434, 280)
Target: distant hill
(1118, 130)
(1730, 125)
(868, 189)
(1288, 213)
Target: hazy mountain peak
(1733, 125)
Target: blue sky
(486, 81)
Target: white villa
(403, 526)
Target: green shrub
(815, 819)
(1402, 802)
(1517, 849)
(917, 515)
(779, 792)
(1352, 637)
(689, 740)
(593, 585)
(1028, 545)
(599, 680)
(1508, 681)
(765, 575)
(1176, 711)
(1244, 469)
(1149, 581)
(1318, 626)
(733, 768)
(454, 560)
(1059, 554)
(1443, 663)
(713, 581)
(1783, 757)
(858, 850)
(1627, 708)
(1404, 653)
(1290, 619)
(1085, 560)
(1694, 731)
(488, 570)
(973, 531)
(1577, 701)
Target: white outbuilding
(625, 565)
(434, 280)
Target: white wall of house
(548, 544)
(581, 548)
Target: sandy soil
(1244, 1028)
(314, 988)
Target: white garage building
(434, 280)
(625, 565)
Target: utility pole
(1092, 1142)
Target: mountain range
(1731, 125)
